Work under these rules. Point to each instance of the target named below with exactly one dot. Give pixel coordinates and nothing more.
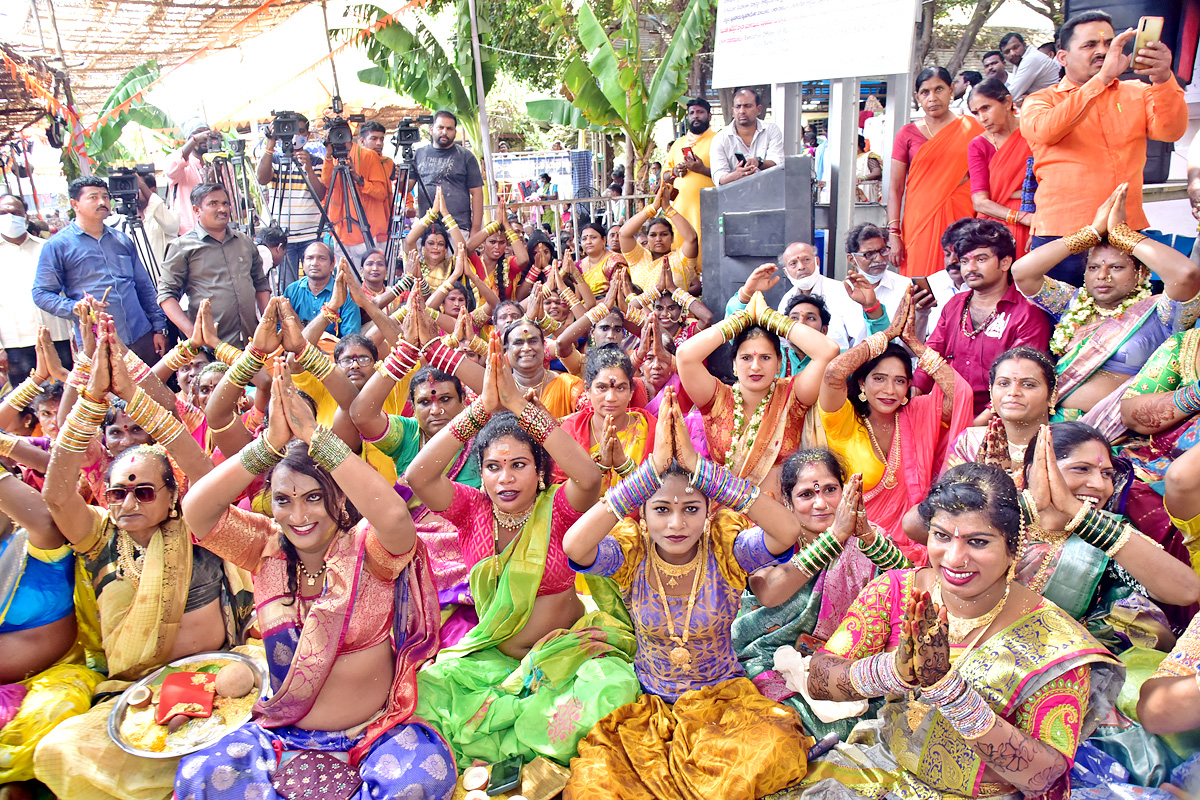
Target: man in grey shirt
(215, 262)
(455, 169)
(1032, 69)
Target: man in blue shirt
(86, 257)
(315, 290)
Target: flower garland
(739, 416)
(1082, 308)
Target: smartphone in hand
(1149, 30)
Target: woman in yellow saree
(991, 688)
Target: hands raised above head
(500, 390)
(671, 439)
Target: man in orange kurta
(1088, 134)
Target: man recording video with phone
(296, 209)
(184, 170)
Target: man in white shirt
(867, 250)
(1032, 70)
(159, 221)
(966, 81)
(747, 144)
(802, 266)
(19, 317)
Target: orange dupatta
(935, 195)
(1006, 176)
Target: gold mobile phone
(1149, 30)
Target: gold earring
(541, 484)
(862, 396)
(904, 402)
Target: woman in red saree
(929, 178)
(996, 160)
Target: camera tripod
(135, 229)
(231, 173)
(406, 170)
(342, 183)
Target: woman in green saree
(536, 673)
(791, 606)
(990, 687)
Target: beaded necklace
(1082, 308)
(131, 557)
(739, 417)
(891, 470)
(965, 323)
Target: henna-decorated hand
(900, 320)
(929, 629)
(846, 518)
(427, 329)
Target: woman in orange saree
(996, 160)
(929, 178)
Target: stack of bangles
(440, 355)
(1100, 530)
(181, 355)
(403, 284)
(470, 421)
(512, 235)
(548, 324)
(137, 368)
(158, 422)
(570, 298)
(648, 296)
(721, 486)
(423, 285)
(1011, 217)
(430, 217)
(327, 449)
(81, 371)
(776, 323)
(621, 469)
(242, 371)
(23, 396)
(492, 227)
(402, 360)
(7, 443)
(669, 212)
(930, 361)
(83, 423)
(1125, 238)
(734, 324)
(961, 705)
(1082, 240)
(534, 273)
(259, 456)
(1187, 398)
(537, 423)
(650, 210)
(315, 362)
(684, 298)
(628, 495)
(877, 676)
(820, 554)
(597, 313)
(451, 223)
(884, 554)
(876, 343)
(227, 353)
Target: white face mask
(12, 226)
(299, 141)
(807, 283)
(874, 279)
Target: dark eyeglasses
(142, 493)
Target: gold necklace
(674, 571)
(512, 521)
(890, 458)
(679, 656)
(310, 578)
(961, 627)
(129, 563)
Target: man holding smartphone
(747, 144)
(688, 159)
(1088, 133)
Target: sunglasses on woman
(142, 493)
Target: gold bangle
(223, 428)
(1082, 240)
(1125, 238)
(1122, 540)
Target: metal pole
(841, 152)
(489, 179)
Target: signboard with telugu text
(784, 41)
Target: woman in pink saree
(895, 441)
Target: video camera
(338, 136)
(123, 187)
(284, 126)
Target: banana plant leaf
(145, 114)
(558, 111)
(671, 78)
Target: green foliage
(411, 61)
(608, 77)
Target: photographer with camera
(160, 223)
(89, 258)
(184, 170)
(370, 184)
(214, 262)
(282, 170)
(454, 169)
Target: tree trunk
(923, 41)
(979, 17)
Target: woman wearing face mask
(997, 159)
(617, 436)
(336, 570)
(799, 604)
(702, 729)
(896, 442)
(929, 177)
(501, 691)
(939, 633)
(1107, 330)
(1022, 383)
(752, 427)
(161, 597)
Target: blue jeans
(1070, 269)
